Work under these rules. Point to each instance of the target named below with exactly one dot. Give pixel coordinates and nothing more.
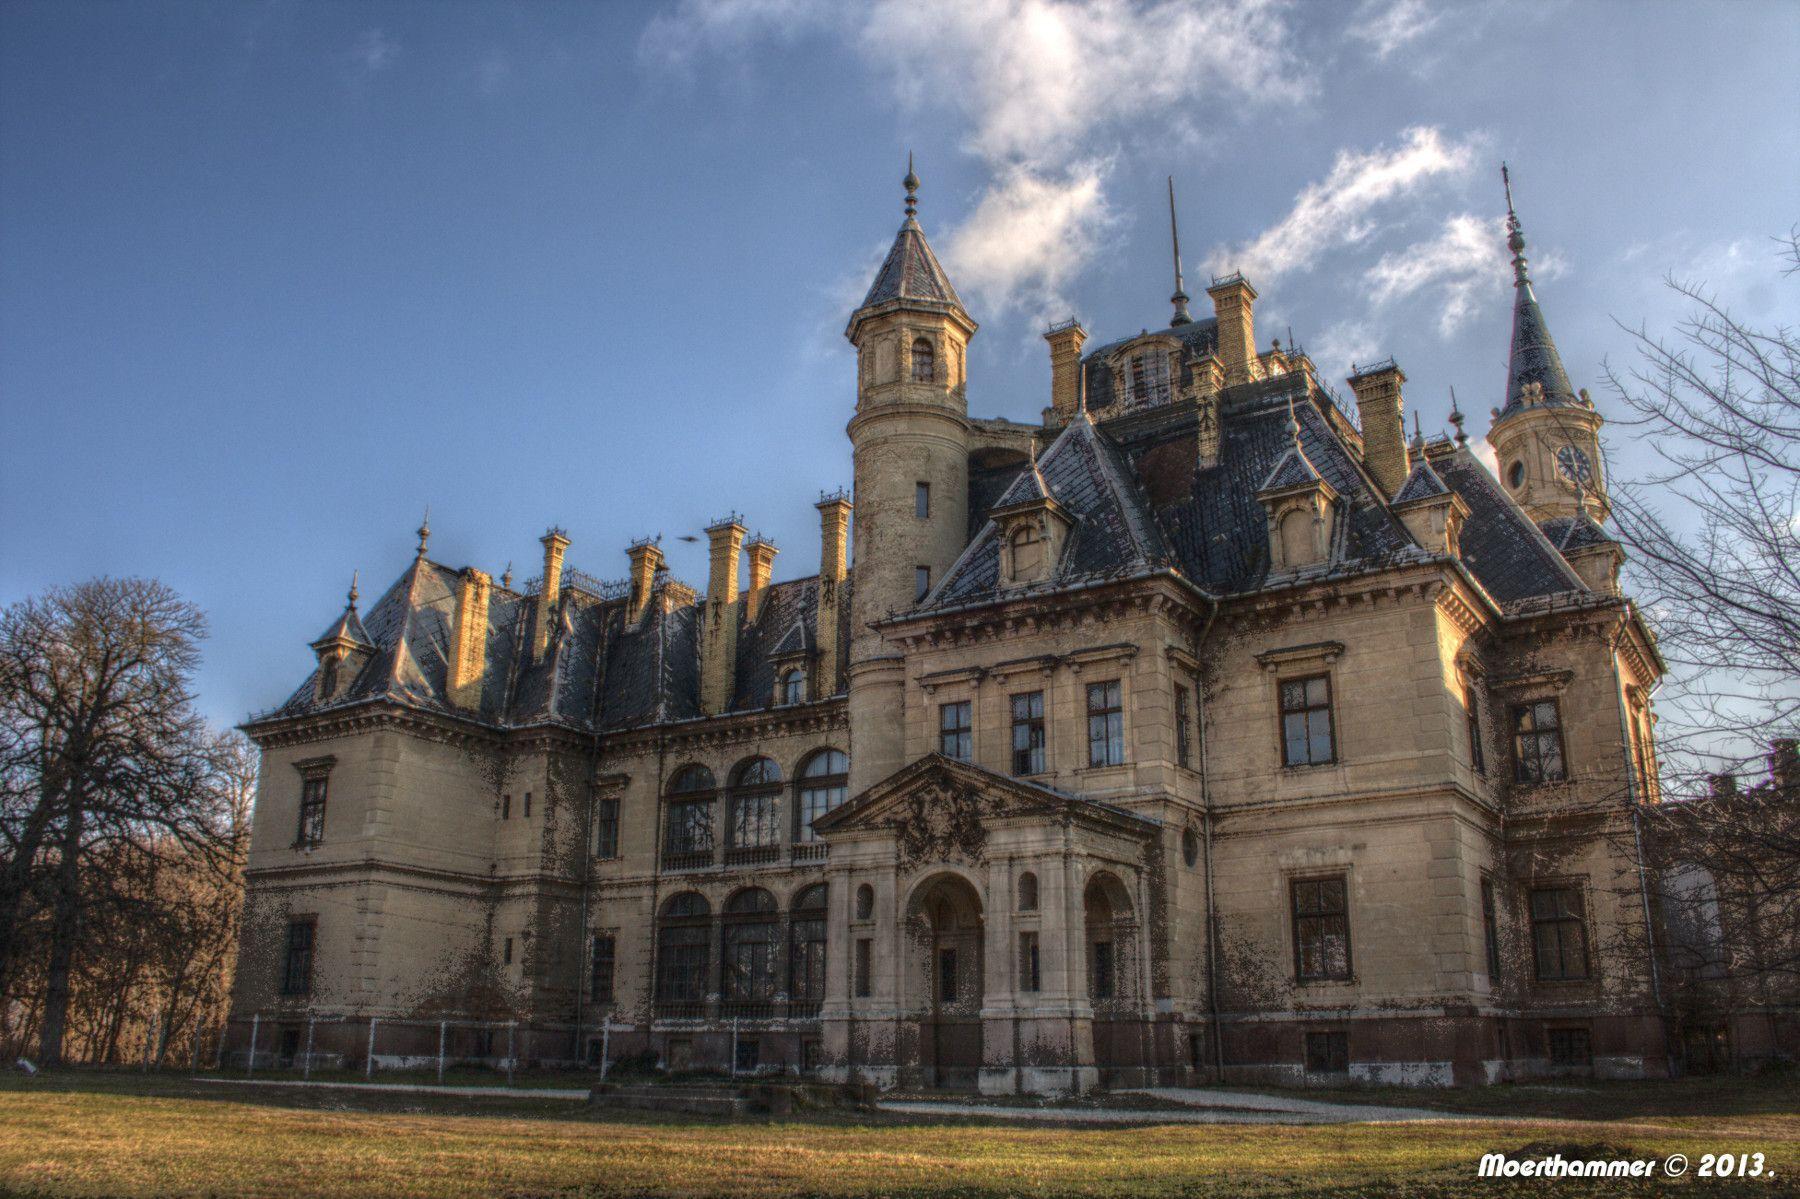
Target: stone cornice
(788, 720)
(1005, 618)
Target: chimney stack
(834, 530)
(762, 553)
(1378, 407)
(1234, 302)
(468, 639)
(718, 658)
(646, 559)
(555, 542)
(1066, 340)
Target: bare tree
(103, 761)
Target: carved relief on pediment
(941, 821)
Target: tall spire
(1180, 298)
(1535, 371)
(911, 277)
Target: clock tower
(1547, 437)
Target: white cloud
(1463, 265)
(1387, 26)
(1341, 209)
(1045, 87)
(1342, 345)
(374, 51)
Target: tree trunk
(65, 926)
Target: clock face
(1574, 466)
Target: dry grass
(125, 1135)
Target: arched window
(806, 951)
(923, 361)
(823, 781)
(328, 678)
(1515, 475)
(689, 836)
(865, 902)
(682, 933)
(755, 806)
(793, 686)
(1297, 537)
(1027, 553)
(1028, 892)
(748, 957)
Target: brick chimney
(646, 559)
(834, 531)
(468, 638)
(1378, 407)
(762, 553)
(1066, 340)
(718, 656)
(1234, 302)
(555, 544)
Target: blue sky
(274, 276)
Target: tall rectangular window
(1321, 929)
(1306, 734)
(921, 582)
(606, 828)
(921, 500)
(1184, 718)
(1028, 733)
(754, 822)
(955, 730)
(528, 805)
(312, 812)
(1106, 724)
(1559, 933)
(506, 957)
(600, 969)
(1104, 983)
(1030, 977)
(690, 827)
(1538, 743)
(297, 965)
(865, 967)
(1490, 929)
(1477, 755)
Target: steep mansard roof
(911, 272)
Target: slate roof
(1198, 337)
(347, 627)
(1507, 554)
(1574, 532)
(911, 272)
(1422, 484)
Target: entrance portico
(985, 934)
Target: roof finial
(1293, 424)
(506, 579)
(1456, 418)
(352, 597)
(1515, 236)
(425, 531)
(911, 184)
(1180, 298)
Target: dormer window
(793, 686)
(1149, 375)
(328, 678)
(924, 362)
(1027, 554)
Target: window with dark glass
(955, 725)
(865, 966)
(923, 361)
(600, 968)
(1028, 733)
(1327, 1052)
(1571, 1047)
(921, 582)
(1538, 743)
(506, 807)
(1490, 929)
(865, 902)
(1559, 933)
(528, 805)
(822, 787)
(297, 964)
(793, 686)
(1030, 978)
(606, 828)
(312, 812)
(747, 965)
(507, 956)
(1306, 738)
(1321, 929)
(1104, 983)
(328, 678)
(1028, 892)
(681, 942)
(1477, 755)
(690, 808)
(1184, 719)
(946, 974)
(806, 946)
(1106, 724)
(755, 801)
(921, 500)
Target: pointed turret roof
(911, 276)
(1534, 358)
(1422, 484)
(348, 627)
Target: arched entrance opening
(945, 927)
(1113, 973)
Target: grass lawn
(132, 1135)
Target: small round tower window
(1515, 475)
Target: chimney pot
(1379, 408)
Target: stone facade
(1193, 734)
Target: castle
(1205, 730)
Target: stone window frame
(838, 783)
(1031, 973)
(1109, 714)
(704, 799)
(960, 736)
(1535, 776)
(309, 954)
(862, 968)
(1143, 349)
(1568, 1033)
(790, 686)
(1282, 712)
(1038, 723)
(680, 927)
(756, 790)
(750, 919)
(1581, 921)
(859, 912)
(314, 772)
(1294, 882)
(1290, 664)
(808, 913)
(598, 993)
(1332, 1045)
(922, 360)
(607, 812)
(921, 500)
(1490, 929)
